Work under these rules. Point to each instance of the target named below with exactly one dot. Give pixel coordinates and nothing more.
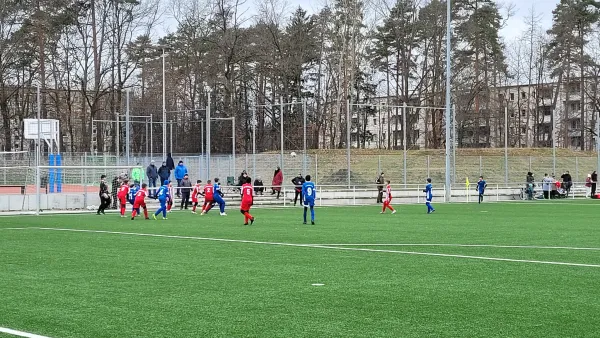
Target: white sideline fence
(81, 192)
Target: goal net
(61, 188)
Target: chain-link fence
(327, 167)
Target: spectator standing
(258, 186)
(136, 174)
(152, 174)
(380, 181)
(298, 181)
(588, 185)
(594, 182)
(567, 182)
(170, 162)
(277, 181)
(164, 172)
(547, 184)
(185, 190)
(180, 172)
(104, 196)
(529, 185)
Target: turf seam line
(319, 246)
(20, 333)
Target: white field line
(318, 246)
(20, 333)
(465, 246)
(499, 246)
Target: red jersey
(171, 191)
(141, 195)
(247, 192)
(123, 191)
(196, 191)
(388, 193)
(208, 192)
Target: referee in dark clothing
(104, 195)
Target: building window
(374, 122)
(575, 123)
(512, 96)
(383, 120)
(523, 112)
(523, 95)
(574, 106)
(546, 110)
(523, 130)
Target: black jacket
(298, 181)
(164, 173)
(170, 162)
(566, 178)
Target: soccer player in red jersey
(388, 199)
(170, 199)
(140, 201)
(195, 192)
(247, 201)
(209, 191)
(122, 196)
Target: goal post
(29, 189)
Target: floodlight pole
(164, 104)
(304, 150)
(404, 109)
(448, 96)
(38, 154)
(127, 127)
(254, 141)
(281, 131)
(348, 130)
(506, 144)
(598, 143)
(233, 144)
(208, 136)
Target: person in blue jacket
(180, 171)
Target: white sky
(520, 12)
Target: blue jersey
(481, 186)
(218, 190)
(308, 191)
(428, 192)
(163, 193)
(132, 191)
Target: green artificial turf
(90, 284)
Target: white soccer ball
(293, 154)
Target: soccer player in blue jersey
(481, 188)
(429, 196)
(133, 189)
(309, 195)
(163, 196)
(217, 199)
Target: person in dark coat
(164, 173)
(567, 182)
(242, 178)
(594, 182)
(298, 181)
(380, 181)
(170, 162)
(258, 186)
